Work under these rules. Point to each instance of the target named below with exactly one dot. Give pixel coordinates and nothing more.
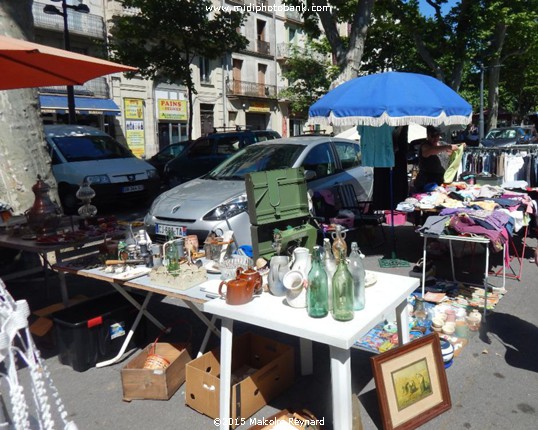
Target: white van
(81, 153)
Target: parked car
(505, 136)
(81, 153)
(218, 200)
(209, 151)
(166, 154)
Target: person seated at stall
(433, 160)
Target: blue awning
(83, 105)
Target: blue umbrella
(393, 98)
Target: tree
(454, 46)
(23, 154)
(309, 74)
(163, 37)
(347, 51)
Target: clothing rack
(531, 147)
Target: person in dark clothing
(433, 159)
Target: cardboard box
(158, 384)
(261, 370)
(286, 420)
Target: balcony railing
(79, 23)
(250, 89)
(97, 87)
(263, 47)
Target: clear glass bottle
(172, 254)
(317, 299)
(329, 263)
(342, 291)
(356, 268)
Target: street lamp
(481, 118)
(53, 10)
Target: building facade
(238, 90)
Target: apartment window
(204, 70)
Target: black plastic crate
(94, 330)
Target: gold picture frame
(411, 383)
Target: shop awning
(83, 105)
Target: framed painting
(411, 383)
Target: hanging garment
(376, 146)
(454, 163)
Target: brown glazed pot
(252, 276)
(238, 291)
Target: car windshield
(255, 158)
(83, 148)
(508, 133)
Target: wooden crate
(140, 383)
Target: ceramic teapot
(278, 268)
(252, 276)
(238, 291)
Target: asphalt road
(493, 383)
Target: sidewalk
(493, 383)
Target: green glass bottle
(317, 300)
(172, 254)
(342, 287)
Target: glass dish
(230, 265)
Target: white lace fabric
(42, 408)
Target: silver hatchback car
(218, 199)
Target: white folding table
(469, 239)
(389, 294)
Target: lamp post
(53, 10)
(481, 118)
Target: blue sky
(426, 9)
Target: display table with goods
(388, 294)
(68, 240)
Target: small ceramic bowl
(449, 329)
(437, 322)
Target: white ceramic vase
(278, 267)
(294, 283)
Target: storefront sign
(134, 133)
(134, 126)
(172, 110)
(259, 107)
(134, 108)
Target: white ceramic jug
(301, 260)
(294, 281)
(278, 268)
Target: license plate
(163, 229)
(132, 188)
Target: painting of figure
(411, 383)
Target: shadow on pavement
(517, 336)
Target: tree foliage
(163, 37)
(347, 50)
(309, 74)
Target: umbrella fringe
(392, 121)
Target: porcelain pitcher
(278, 268)
(294, 281)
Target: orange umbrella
(25, 64)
